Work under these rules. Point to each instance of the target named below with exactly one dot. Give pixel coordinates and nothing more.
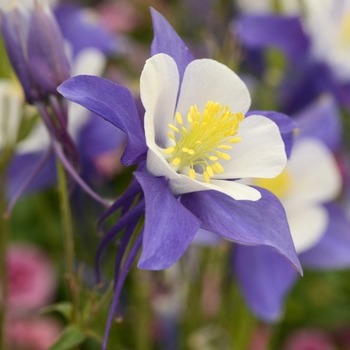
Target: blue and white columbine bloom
(203, 139)
(195, 143)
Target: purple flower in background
(315, 43)
(195, 138)
(82, 28)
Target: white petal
(38, 140)
(314, 173)
(307, 225)
(184, 184)
(260, 153)
(159, 87)
(180, 184)
(208, 80)
(89, 61)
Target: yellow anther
(206, 177)
(171, 136)
(173, 127)
(209, 171)
(234, 140)
(195, 126)
(228, 147)
(198, 142)
(203, 126)
(219, 167)
(178, 118)
(223, 155)
(177, 161)
(184, 130)
(184, 149)
(213, 158)
(190, 151)
(192, 174)
(215, 169)
(169, 150)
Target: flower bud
(36, 50)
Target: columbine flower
(310, 178)
(195, 138)
(203, 139)
(320, 232)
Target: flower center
(199, 147)
(279, 185)
(344, 31)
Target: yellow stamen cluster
(202, 143)
(279, 185)
(344, 31)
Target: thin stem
(68, 240)
(68, 166)
(125, 270)
(4, 234)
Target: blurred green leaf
(64, 308)
(71, 336)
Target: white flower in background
(328, 24)
(7, 4)
(11, 102)
(267, 6)
(196, 131)
(310, 179)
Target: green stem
(4, 234)
(245, 323)
(68, 240)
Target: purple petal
(169, 226)
(322, 120)
(285, 124)
(262, 222)
(46, 54)
(304, 83)
(265, 279)
(82, 32)
(260, 31)
(333, 250)
(113, 103)
(167, 41)
(97, 137)
(20, 168)
(15, 45)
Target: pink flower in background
(108, 163)
(32, 278)
(32, 334)
(119, 17)
(261, 338)
(308, 339)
